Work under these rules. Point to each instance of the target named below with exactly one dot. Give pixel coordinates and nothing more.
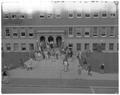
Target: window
(6, 16)
(8, 46)
(15, 46)
(23, 33)
(103, 46)
(15, 34)
(42, 15)
(79, 15)
(112, 14)
(87, 32)
(95, 31)
(70, 31)
(78, 45)
(95, 46)
(86, 46)
(78, 32)
(104, 14)
(21, 16)
(31, 46)
(103, 32)
(23, 46)
(95, 14)
(13, 16)
(111, 34)
(7, 32)
(57, 15)
(111, 46)
(87, 14)
(31, 33)
(70, 15)
(50, 16)
(70, 45)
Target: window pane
(111, 31)
(87, 32)
(87, 15)
(111, 46)
(95, 15)
(8, 46)
(95, 46)
(103, 31)
(7, 32)
(23, 46)
(23, 33)
(70, 30)
(16, 46)
(78, 46)
(86, 46)
(103, 46)
(31, 46)
(95, 31)
(78, 32)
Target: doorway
(59, 41)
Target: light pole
(116, 3)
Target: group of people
(51, 51)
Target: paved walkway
(54, 69)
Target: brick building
(80, 30)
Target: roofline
(55, 25)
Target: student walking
(5, 77)
(66, 65)
(89, 68)
(102, 67)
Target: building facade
(81, 31)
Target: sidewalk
(53, 69)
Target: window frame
(50, 16)
(113, 31)
(70, 32)
(78, 46)
(101, 32)
(23, 45)
(4, 16)
(78, 30)
(22, 30)
(77, 14)
(104, 12)
(87, 14)
(16, 45)
(8, 45)
(33, 47)
(86, 46)
(95, 16)
(112, 15)
(70, 16)
(111, 49)
(14, 32)
(87, 31)
(103, 48)
(95, 29)
(7, 33)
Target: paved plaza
(54, 69)
(48, 76)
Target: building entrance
(51, 41)
(59, 41)
(42, 38)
